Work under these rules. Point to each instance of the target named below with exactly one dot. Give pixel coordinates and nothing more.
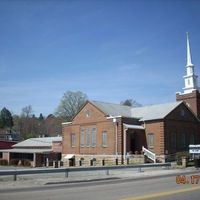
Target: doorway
(72, 162)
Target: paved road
(120, 189)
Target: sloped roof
(112, 109)
(152, 112)
(38, 142)
(26, 150)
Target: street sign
(194, 149)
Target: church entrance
(135, 139)
(131, 140)
(132, 144)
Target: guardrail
(16, 172)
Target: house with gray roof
(38, 152)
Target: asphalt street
(116, 189)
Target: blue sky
(110, 50)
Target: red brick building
(109, 133)
(95, 135)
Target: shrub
(3, 162)
(14, 162)
(179, 156)
(26, 163)
(190, 163)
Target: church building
(105, 133)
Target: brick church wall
(192, 100)
(157, 128)
(98, 120)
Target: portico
(133, 139)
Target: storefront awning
(69, 156)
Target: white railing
(149, 154)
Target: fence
(66, 171)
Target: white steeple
(189, 58)
(190, 78)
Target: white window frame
(82, 137)
(88, 137)
(94, 136)
(151, 140)
(104, 139)
(73, 140)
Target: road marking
(167, 193)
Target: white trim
(66, 123)
(69, 156)
(125, 144)
(113, 117)
(133, 126)
(116, 140)
(149, 154)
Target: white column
(125, 129)
(34, 159)
(116, 140)
(47, 162)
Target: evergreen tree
(41, 118)
(6, 118)
(1, 122)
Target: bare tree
(70, 104)
(27, 111)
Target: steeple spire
(190, 78)
(189, 58)
(191, 91)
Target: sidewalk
(40, 180)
